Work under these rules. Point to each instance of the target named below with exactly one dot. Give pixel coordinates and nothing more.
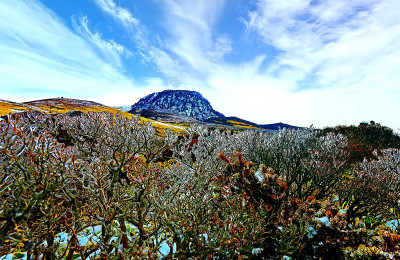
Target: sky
(301, 62)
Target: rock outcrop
(183, 102)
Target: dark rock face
(183, 102)
(74, 113)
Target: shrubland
(102, 186)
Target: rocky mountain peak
(183, 102)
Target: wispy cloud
(330, 43)
(119, 13)
(109, 48)
(40, 53)
(161, 53)
(192, 35)
(335, 63)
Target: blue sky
(301, 62)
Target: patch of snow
(161, 123)
(311, 232)
(256, 251)
(393, 224)
(324, 220)
(123, 108)
(165, 249)
(259, 176)
(12, 257)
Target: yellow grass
(235, 122)
(161, 127)
(240, 124)
(158, 126)
(62, 110)
(6, 108)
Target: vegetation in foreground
(102, 186)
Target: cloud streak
(335, 62)
(123, 15)
(192, 38)
(329, 43)
(40, 54)
(109, 49)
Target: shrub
(36, 173)
(118, 178)
(366, 138)
(118, 191)
(307, 162)
(326, 165)
(372, 188)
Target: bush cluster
(101, 186)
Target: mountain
(184, 106)
(277, 126)
(175, 102)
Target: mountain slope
(237, 122)
(7, 107)
(64, 105)
(182, 102)
(56, 106)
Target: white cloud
(340, 57)
(109, 48)
(191, 49)
(241, 91)
(152, 53)
(222, 46)
(41, 57)
(118, 13)
(193, 39)
(332, 41)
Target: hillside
(7, 107)
(54, 105)
(65, 105)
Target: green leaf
(19, 254)
(368, 222)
